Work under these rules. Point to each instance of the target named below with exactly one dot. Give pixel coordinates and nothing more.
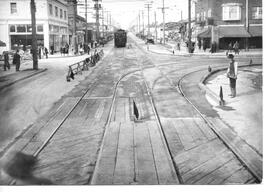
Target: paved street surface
(91, 135)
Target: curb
(208, 91)
(199, 55)
(23, 78)
(245, 153)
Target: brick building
(225, 21)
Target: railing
(79, 67)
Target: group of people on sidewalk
(16, 60)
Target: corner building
(51, 23)
(228, 21)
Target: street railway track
(247, 165)
(174, 175)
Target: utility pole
(139, 23)
(102, 22)
(86, 31)
(247, 23)
(163, 12)
(97, 18)
(143, 21)
(148, 18)
(189, 26)
(156, 26)
(34, 36)
(74, 28)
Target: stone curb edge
(243, 150)
(209, 92)
(196, 55)
(23, 78)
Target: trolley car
(120, 38)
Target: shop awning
(205, 33)
(235, 31)
(255, 31)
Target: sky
(125, 12)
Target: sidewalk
(10, 77)
(244, 112)
(168, 49)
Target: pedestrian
(66, 48)
(6, 60)
(46, 52)
(232, 74)
(199, 44)
(204, 45)
(20, 166)
(52, 49)
(92, 44)
(39, 52)
(17, 60)
(236, 48)
(178, 46)
(81, 49)
(88, 49)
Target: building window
(13, 8)
(12, 28)
(29, 28)
(256, 12)
(21, 28)
(65, 15)
(40, 28)
(56, 11)
(231, 11)
(61, 14)
(51, 9)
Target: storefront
(58, 37)
(21, 36)
(225, 35)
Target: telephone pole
(156, 26)
(143, 21)
(34, 35)
(163, 12)
(102, 22)
(189, 26)
(247, 23)
(86, 31)
(139, 23)
(97, 7)
(148, 18)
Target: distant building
(80, 23)
(51, 23)
(225, 21)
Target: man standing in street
(232, 74)
(6, 61)
(17, 60)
